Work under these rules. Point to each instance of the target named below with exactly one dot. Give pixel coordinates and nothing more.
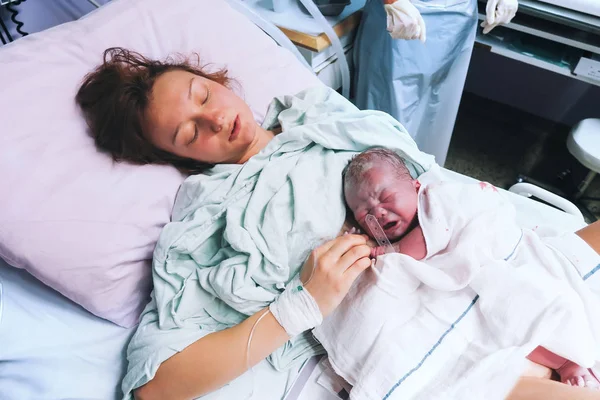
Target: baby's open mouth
(389, 225)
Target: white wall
(38, 15)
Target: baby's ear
(416, 184)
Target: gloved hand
(404, 21)
(498, 12)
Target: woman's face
(196, 118)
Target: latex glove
(404, 21)
(498, 12)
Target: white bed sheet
(52, 348)
(530, 213)
(316, 381)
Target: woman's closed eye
(195, 135)
(207, 95)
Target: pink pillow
(69, 215)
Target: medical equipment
(286, 313)
(548, 37)
(295, 309)
(10, 6)
(248, 347)
(326, 7)
(268, 27)
(331, 8)
(378, 233)
(311, 7)
(335, 42)
(591, 7)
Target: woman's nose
(215, 120)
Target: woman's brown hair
(115, 96)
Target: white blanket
(459, 324)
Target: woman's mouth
(235, 130)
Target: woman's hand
(348, 229)
(337, 264)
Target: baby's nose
(380, 213)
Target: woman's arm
(219, 357)
(591, 234)
(529, 388)
(214, 360)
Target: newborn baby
(377, 182)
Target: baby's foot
(575, 375)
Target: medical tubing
(270, 29)
(264, 314)
(2, 38)
(295, 309)
(248, 365)
(335, 42)
(13, 17)
(94, 3)
(5, 29)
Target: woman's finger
(352, 255)
(325, 247)
(324, 256)
(341, 245)
(356, 269)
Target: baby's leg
(570, 373)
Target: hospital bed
(63, 205)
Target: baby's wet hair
(366, 160)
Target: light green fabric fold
(241, 232)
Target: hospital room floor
(496, 143)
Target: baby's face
(391, 199)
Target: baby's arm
(412, 244)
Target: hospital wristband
(295, 309)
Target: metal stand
(574, 198)
(584, 185)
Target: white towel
(459, 324)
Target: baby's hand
(353, 231)
(381, 250)
(348, 228)
(377, 251)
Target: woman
(146, 111)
